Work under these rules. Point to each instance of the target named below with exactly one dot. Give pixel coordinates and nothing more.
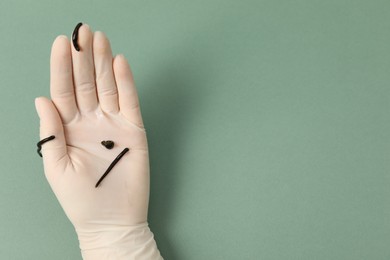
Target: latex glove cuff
(131, 242)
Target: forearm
(119, 243)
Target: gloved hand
(93, 100)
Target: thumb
(51, 124)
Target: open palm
(93, 99)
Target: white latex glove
(93, 100)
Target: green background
(268, 125)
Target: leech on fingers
(112, 166)
(75, 36)
(40, 143)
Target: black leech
(75, 36)
(40, 143)
(112, 165)
(108, 144)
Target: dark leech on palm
(114, 162)
(108, 144)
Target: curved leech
(112, 166)
(40, 143)
(75, 36)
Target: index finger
(61, 79)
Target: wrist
(118, 242)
